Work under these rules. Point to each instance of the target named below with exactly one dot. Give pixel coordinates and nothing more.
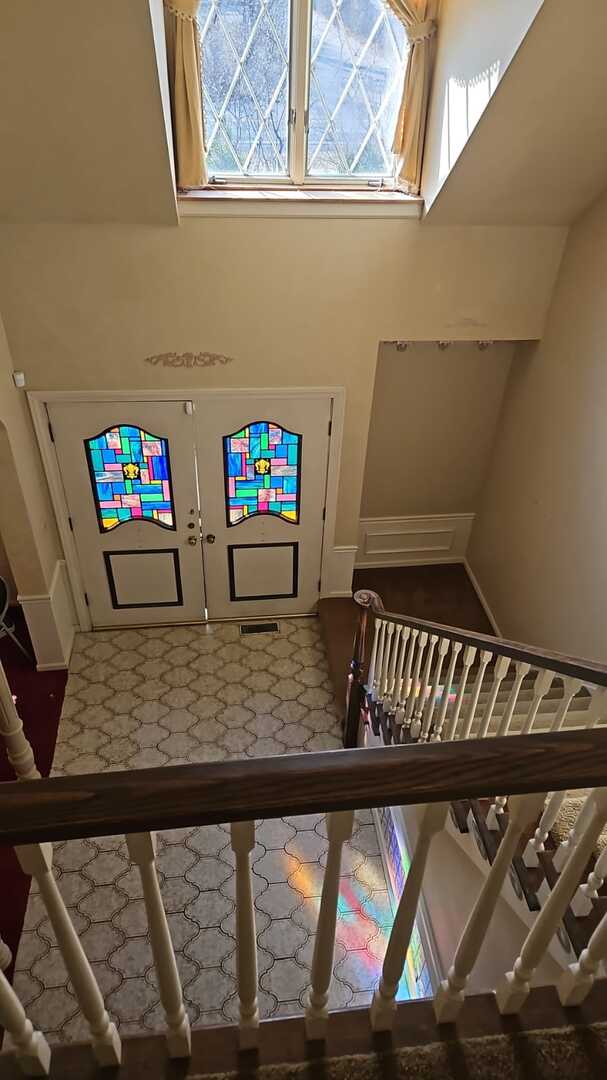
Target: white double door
(183, 511)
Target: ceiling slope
(83, 119)
(538, 154)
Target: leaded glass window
(356, 78)
(131, 477)
(262, 470)
(296, 92)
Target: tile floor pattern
(158, 696)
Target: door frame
(39, 399)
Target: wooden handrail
(587, 670)
(102, 804)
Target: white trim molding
(51, 621)
(338, 579)
(409, 541)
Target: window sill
(298, 202)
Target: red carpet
(39, 700)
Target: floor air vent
(259, 628)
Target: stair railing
(405, 698)
(33, 814)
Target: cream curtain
(419, 20)
(183, 57)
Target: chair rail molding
(415, 540)
(51, 621)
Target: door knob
(210, 538)
(192, 540)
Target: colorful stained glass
(262, 469)
(131, 477)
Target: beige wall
(540, 541)
(84, 106)
(537, 154)
(476, 42)
(432, 426)
(27, 523)
(6, 572)
(295, 302)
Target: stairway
(540, 1043)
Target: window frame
(300, 35)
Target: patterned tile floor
(157, 696)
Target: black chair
(7, 627)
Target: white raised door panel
(262, 463)
(134, 508)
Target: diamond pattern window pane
(357, 66)
(244, 46)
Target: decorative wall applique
(188, 359)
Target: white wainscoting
(407, 541)
(337, 581)
(51, 621)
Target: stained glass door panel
(131, 477)
(262, 472)
(129, 474)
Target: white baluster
(467, 661)
(576, 981)
(500, 670)
(598, 706)
(547, 820)
(541, 687)
(564, 849)
(398, 682)
(33, 1052)
(389, 697)
(456, 648)
(6, 955)
(412, 698)
(373, 660)
(513, 989)
(485, 657)
(450, 995)
(383, 1006)
(443, 649)
(499, 803)
(142, 850)
(36, 860)
(522, 670)
(243, 841)
(571, 687)
(18, 749)
(379, 659)
(385, 673)
(424, 689)
(339, 829)
(405, 686)
(581, 904)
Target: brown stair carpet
(555, 1054)
(568, 815)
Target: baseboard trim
(51, 621)
(414, 540)
(483, 599)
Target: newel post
(355, 690)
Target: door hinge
(86, 599)
(330, 426)
(319, 580)
(324, 512)
(50, 431)
(70, 523)
(188, 408)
